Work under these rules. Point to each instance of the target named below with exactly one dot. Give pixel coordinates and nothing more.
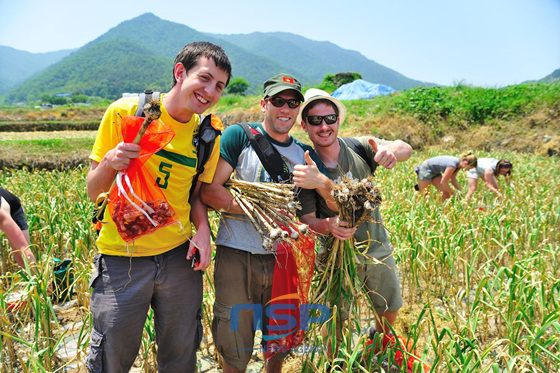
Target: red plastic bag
(136, 204)
(292, 280)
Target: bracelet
(228, 206)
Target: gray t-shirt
(439, 164)
(237, 231)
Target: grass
(40, 146)
(481, 282)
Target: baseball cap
(282, 82)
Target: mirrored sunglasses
(279, 102)
(316, 120)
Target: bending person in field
(488, 169)
(442, 170)
(14, 225)
(156, 270)
(321, 116)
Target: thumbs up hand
(309, 160)
(307, 176)
(383, 156)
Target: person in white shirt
(488, 169)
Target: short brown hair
(191, 53)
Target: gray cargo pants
(123, 290)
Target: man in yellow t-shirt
(155, 270)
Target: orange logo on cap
(288, 80)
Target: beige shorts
(382, 284)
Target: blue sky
(489, 43)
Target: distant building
(126, 94)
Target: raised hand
(383, 156)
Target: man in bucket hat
(321, 116)
(244, 271)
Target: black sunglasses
(279, 102)
(316, 120)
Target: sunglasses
(316, 120)
(279, 102)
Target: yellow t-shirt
(173, 168)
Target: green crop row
(462, 106)
(481, 282)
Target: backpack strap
(205, 140)
(143, 98)
(359, 149)
(270, 157)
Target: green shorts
(382, 281)
(240, 278)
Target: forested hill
(16, 66)
(139, 53)
(315, 59)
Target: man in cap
(321, 116)
(243, 271)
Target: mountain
(16, 66)
(95, 70)
(315, 59)
(552, 78)
(168, 38)
(141, 49)
(138, 54)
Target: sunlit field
(481, 282)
